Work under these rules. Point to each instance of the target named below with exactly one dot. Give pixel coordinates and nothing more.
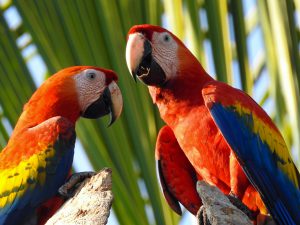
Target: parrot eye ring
(167, 38)
(91, 75)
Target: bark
(218, 208)
(91, 203)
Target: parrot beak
(140, 62)
(110, 102)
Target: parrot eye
(167, 38)
(91, 76)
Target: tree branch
(91, 203)
(218, 208)
(220, 211)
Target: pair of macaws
(214, 133)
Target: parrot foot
(241, 206)
(202, 217)
(68, 189)
(264, 220)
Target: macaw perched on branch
(227, 139)
(38, 157)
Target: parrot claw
(241, 206)
(68, 189)
(264, 220)
(202, 217)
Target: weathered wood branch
(218, 208)
(220, 211)
(91, 203)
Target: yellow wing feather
(24, 177)
(274, 140)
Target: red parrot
(213, 132)
(38, 157)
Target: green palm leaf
(93, 32)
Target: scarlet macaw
(39, 154)
(227, 138)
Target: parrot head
(98, 93)
(85, 91)
(156, 56)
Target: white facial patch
(164, 52)
(90, 84)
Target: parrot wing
(177, 176)
(33, 166)
(259, 147)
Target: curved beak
(140, 61)
(116, 102)
(110, 102)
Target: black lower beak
(149, 71)
(100, 107)
(109, 102)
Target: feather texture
(177, 176)
(26, 183)
(259, 147)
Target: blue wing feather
(57, 167)
(279, 194)
(26, 205)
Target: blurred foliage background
(253, 45)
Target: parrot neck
(59, 102)
(179, 96)
(35, 115)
